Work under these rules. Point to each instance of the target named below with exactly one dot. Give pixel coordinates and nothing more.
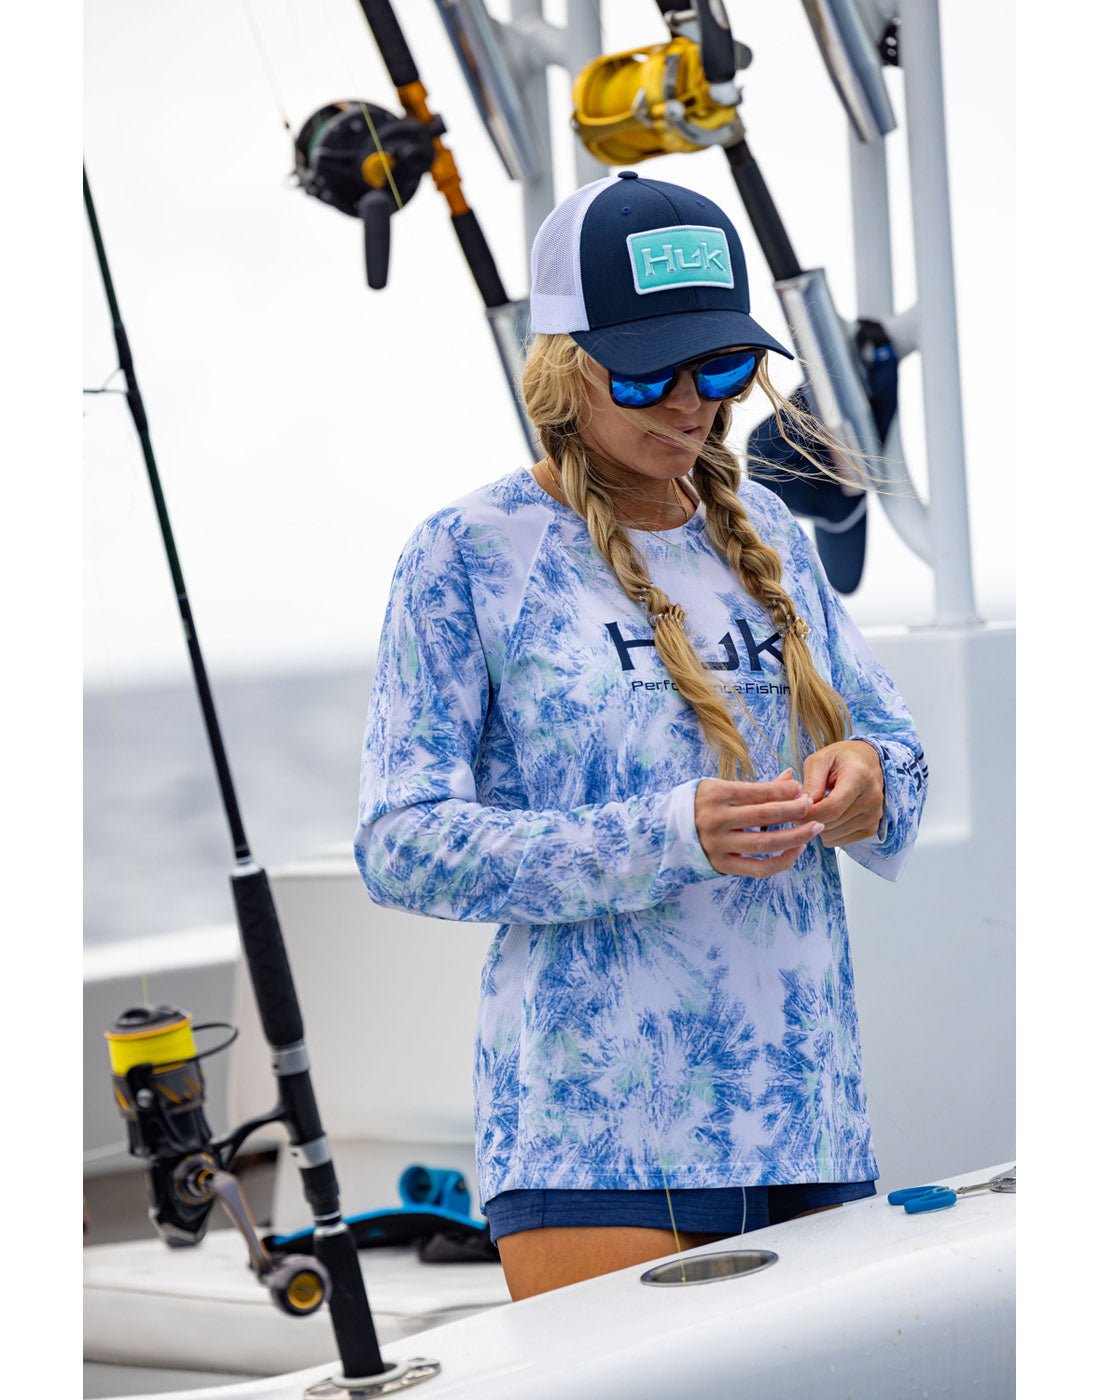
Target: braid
(815, 705)
(589, 498)
(554, 380)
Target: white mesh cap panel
(557, 300)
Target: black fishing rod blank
(508, 320)
(837, 387)
(157, 1075)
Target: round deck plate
(710, 1268)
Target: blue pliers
(918, 1199)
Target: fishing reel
(673, 97)
(366, 162)
(160, 1090)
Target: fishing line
(92, 559)
(281, 105)
(387, 164)
(103, 388)
(183, 1203)
(354, 87)
(268, 70)
(647, 1082)
(307, 81)
(103, 1154)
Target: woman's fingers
(759, 854)
(721, 804)
(769, 843)
(767, 814)
(759, 869)
(749, 794)
(857, 828)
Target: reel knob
(298, 1284)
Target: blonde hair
(555, 379)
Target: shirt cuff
(683, 849)
(884, 821)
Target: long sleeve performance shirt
(644, 1021)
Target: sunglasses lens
(641, 391)
(726, 375)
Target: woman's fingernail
(817, 828)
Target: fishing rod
(156, 1070)
(367, 162)
(682, 95)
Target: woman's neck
(656, 505)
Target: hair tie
(797, 625)
(673, 613)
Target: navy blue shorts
(712, 1211)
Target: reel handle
(298, 1284)
(375, 209)
(716, 42)
(717, 48)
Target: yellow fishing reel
(654, 101)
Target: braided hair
(555, 379)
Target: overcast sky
(304, 424)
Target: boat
(868, 1300)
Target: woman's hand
(732, 820)
(845, 782)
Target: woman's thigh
(536, 1261)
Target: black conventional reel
(366, 162)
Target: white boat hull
(864, 1303)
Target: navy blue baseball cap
(643, 275)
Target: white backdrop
(304, 425)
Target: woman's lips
(691, 432)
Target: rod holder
(855, 66)
(835, 382)
(510, 325)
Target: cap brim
(640, 347)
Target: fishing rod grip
(763, 215)
(480, 259)
(358, 1344)
(391, 41)
(265, 953)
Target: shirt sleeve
(881, 719)
(424, 841)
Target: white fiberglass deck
(864, 1302)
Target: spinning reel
(366, 162)
(160, 1091)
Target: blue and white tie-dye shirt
(645, 1021)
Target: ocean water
(157, 851)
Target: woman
(619, 709)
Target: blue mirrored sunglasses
(721, 376)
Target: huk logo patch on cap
(685, 255)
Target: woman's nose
(684, 394)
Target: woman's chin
(665, 452)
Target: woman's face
(624, 435)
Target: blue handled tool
(919, 1199)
